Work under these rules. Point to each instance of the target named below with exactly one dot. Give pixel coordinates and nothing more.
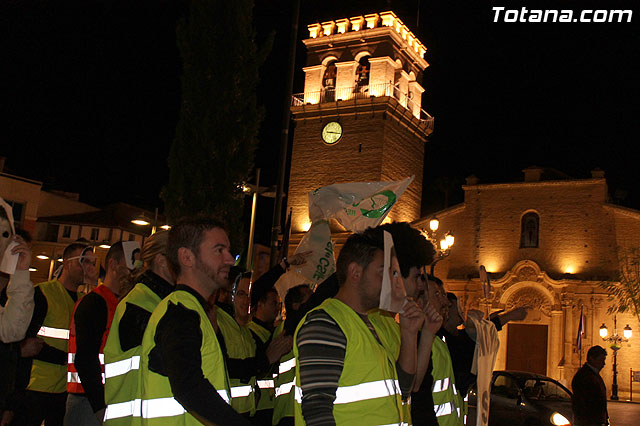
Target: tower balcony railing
(363, 92)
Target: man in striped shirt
(350, 368)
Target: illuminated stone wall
(579, 233)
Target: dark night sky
(90, 92)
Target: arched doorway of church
(527, 347)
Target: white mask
(5, 235)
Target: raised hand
(433, 319)
(412, 317)
(24, 253)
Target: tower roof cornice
(366, 28)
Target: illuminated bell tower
(360, 117)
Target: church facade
(548, 244)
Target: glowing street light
(140, 221)
(615, 346)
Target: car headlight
(558, 419)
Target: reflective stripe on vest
(73, 377)
(123, 409)
(285, 388)
(286, 366)
(122, 367)
(265, 384)
(362, 391)
(161, 407)
(446, 409)
(55, 333)
(241, 391)
(441, 385)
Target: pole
(614, 385)
(51, 263)
(154, 228)
(284, 138)
(253, 222)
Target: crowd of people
(189, 338)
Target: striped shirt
(321, 351)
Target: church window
(529, 230)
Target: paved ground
(624, 413)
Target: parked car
(522, 398)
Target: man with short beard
(184, 377)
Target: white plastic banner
(357, 205)
(320, 263)
(484, 358)
(392, 292)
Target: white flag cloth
(484, 358)
(356, 205)
(320, 263)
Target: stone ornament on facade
(531, 297)
(527, 273)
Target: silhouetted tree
(216, 136)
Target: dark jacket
(589, 400)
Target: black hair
(261, 296)
(188, 233)
(71, 248)
(294, 295)
(26, 236)
(133, 255)
(435, 280)
(359, 248)
(412, 248)
(116, 252)
(595, 352)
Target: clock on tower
(360, 116)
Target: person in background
(462, 342)
(589, 399)
(47, 341)
(284, 377)
(91, 271)
(16, 309)
(241, 298)
(184, 376)
(123, 347)
(435, 400)
(267, 308)
(89, 329)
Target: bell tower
(360, 117)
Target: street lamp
(615, 341)
(442, 246)
(140, 220)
